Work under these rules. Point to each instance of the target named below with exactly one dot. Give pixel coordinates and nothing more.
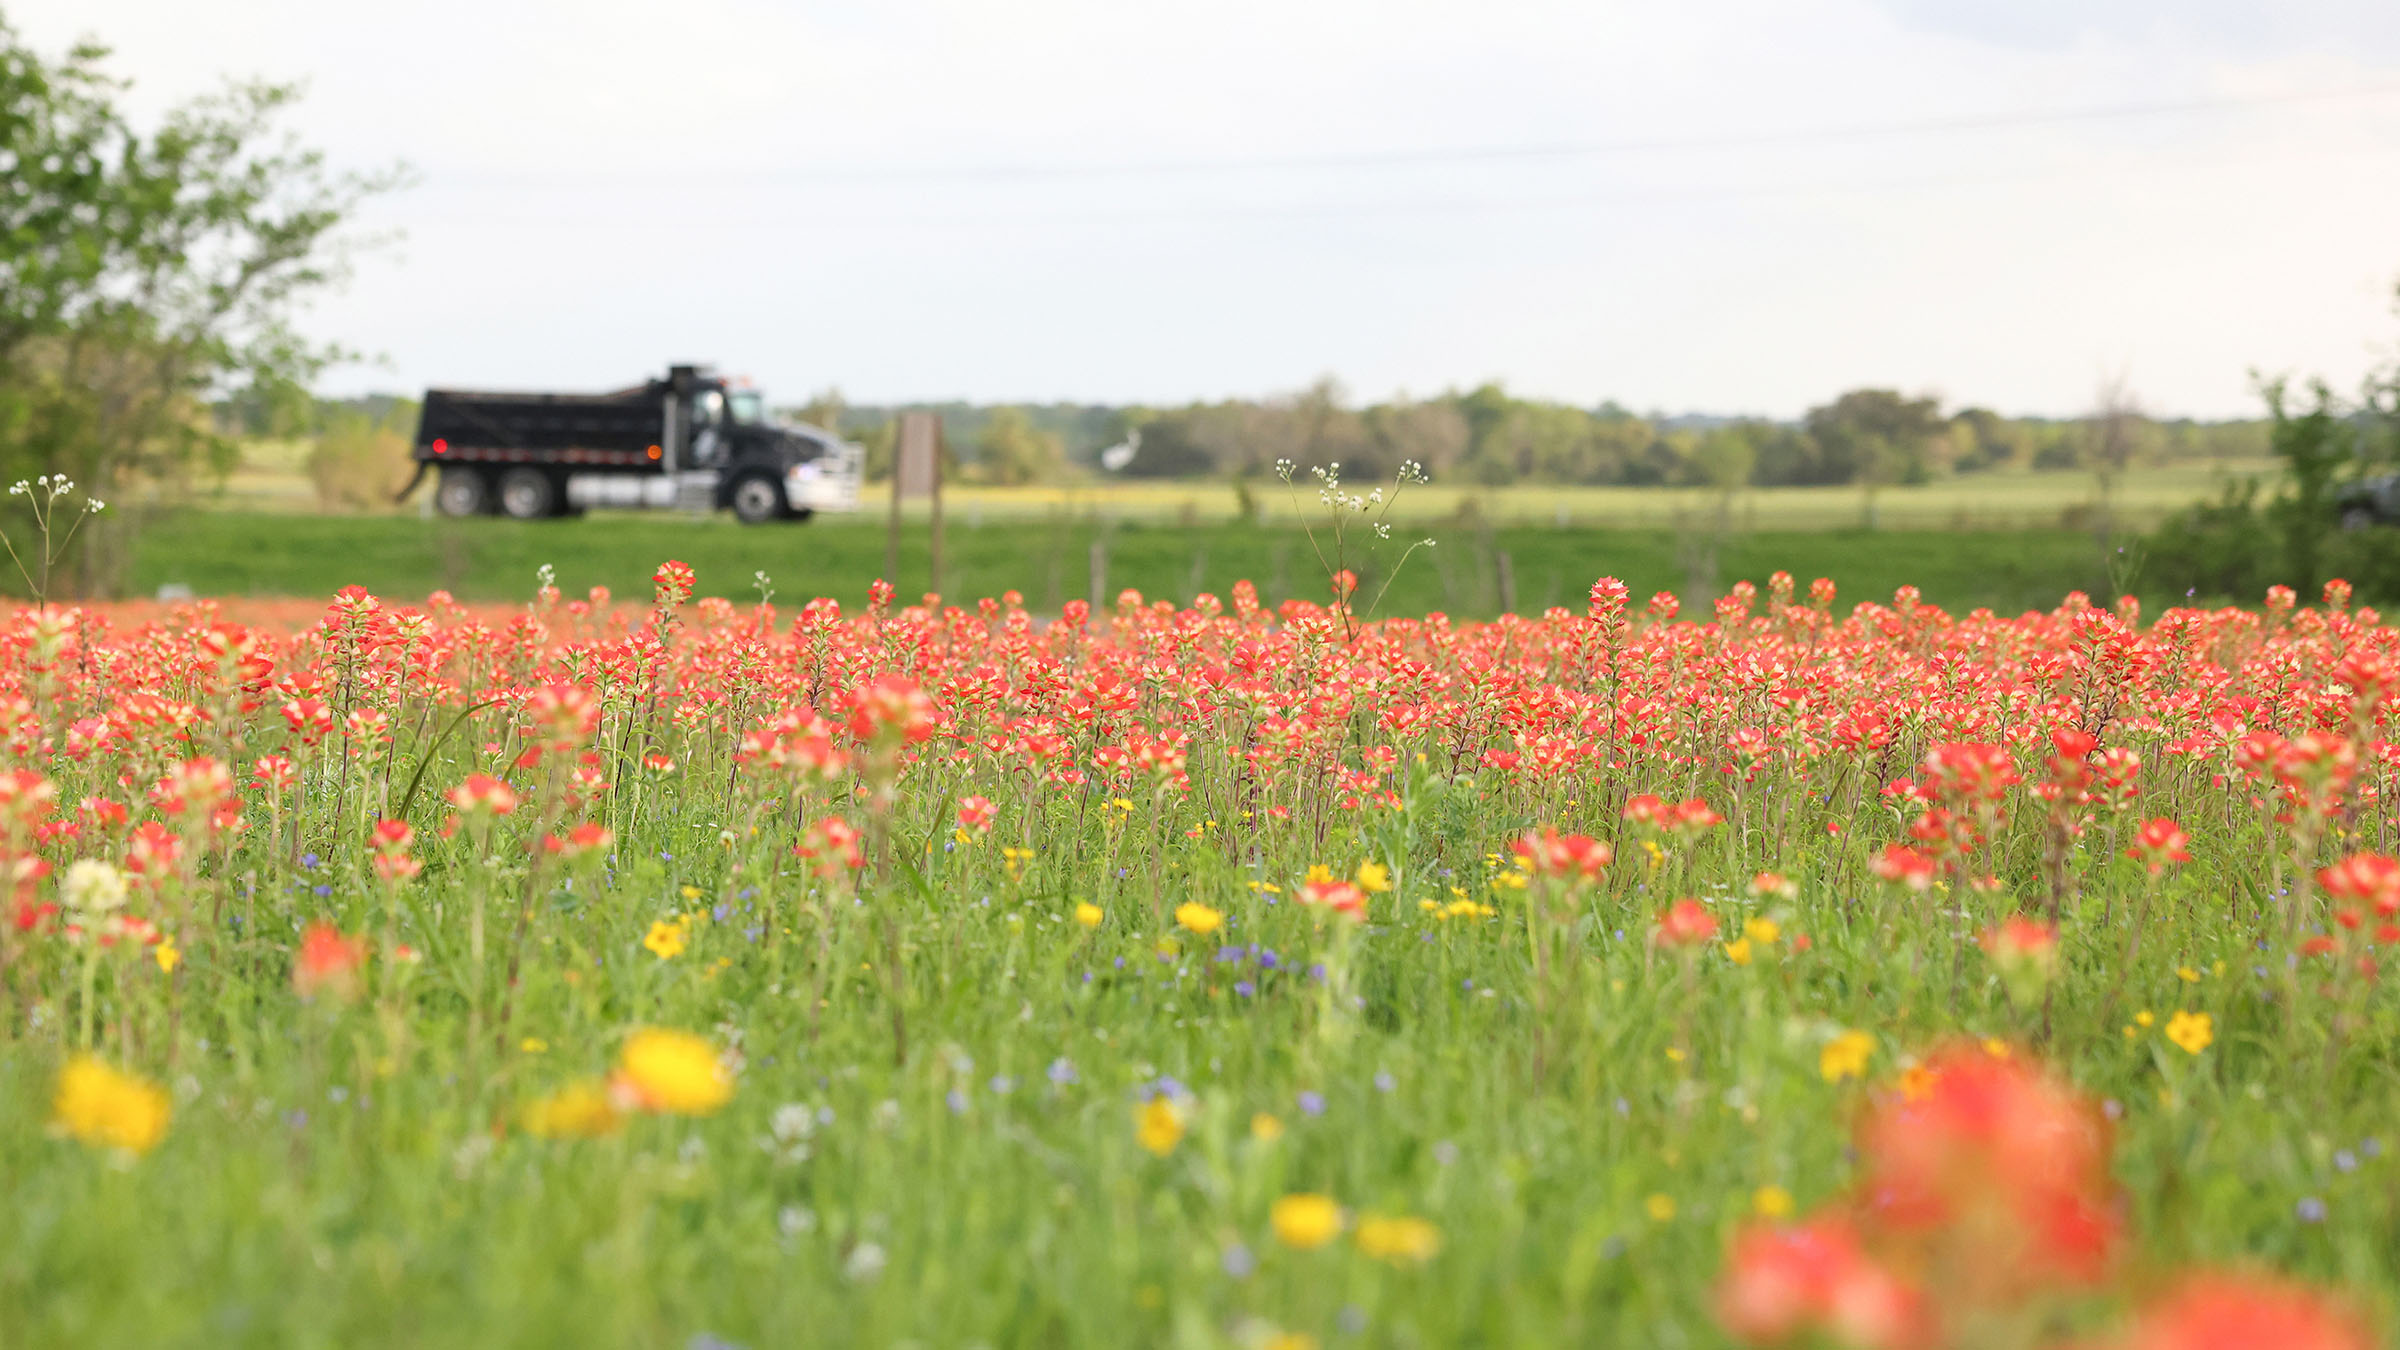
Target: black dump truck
(692, 441)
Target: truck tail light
(440, 446)
(654, 452)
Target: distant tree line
(1867, 438)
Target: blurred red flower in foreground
(1815, 1279)
(1684, 924)
(2243, 1312)
(327, 962)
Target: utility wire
(1403, 208)
(1392, 158)
(1453, 155)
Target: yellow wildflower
(1374, 877)
(1289, 1340)
(675, 1072)
(1738, 951)
(1198, 917)
(1088, 914)
(109, 1108)
(1306, 1220)
(2187, 974)
(1157, 1126)
(2193, 1032)
(1660, 1206)
(169, 956)
(1846, 1056)
(1318, 872)
(577, 1111)
(1771, 1202)
(1265, 1128)
(1762, 931)
(1916, 1082)
(2144, 1018)
(665, 939)
(1399, 1240)
(533, 1045)
(691, 892)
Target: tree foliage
(148, 271)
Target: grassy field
(226, 553)
(270, 479)
(1205, 983)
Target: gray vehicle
(692, 442)
(2370, 501)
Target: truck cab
(693, 441)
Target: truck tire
(757, 498)
(527, 494)
(462, 492)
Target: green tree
(149, 273)
(1877, 438)
(1011, 451)
(360, 460)
(2316, 445)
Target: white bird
(1116, 457)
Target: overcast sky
(1728, 207)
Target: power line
(1562, 150)
(1456, 155)
(1221, 212)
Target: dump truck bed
(474, 426)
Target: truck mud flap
(402, 494)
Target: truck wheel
(757, 499)
(527, 494)
(2357, 518)
(462, 492)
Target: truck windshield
(748, 407)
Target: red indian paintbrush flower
(1815, 1282)
(1685, 923)
(1574, 857)
(2243, 1312)
(1996, 1171)
(327, 962)
(2366, 879)
(2159, 844)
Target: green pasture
(1051, 561)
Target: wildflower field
(682, 974)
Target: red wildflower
(672, 584)
(2367, 879)
(1904, 866)
(892, 709)
(588, 838)
(1575, 857)
(2244, 1312)
(327, 962)
(1786, 1283)
(1997, 1171)
(1341, 897)
(831, 844)
(1685, 923)
(483, 794)
(2159, 844)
